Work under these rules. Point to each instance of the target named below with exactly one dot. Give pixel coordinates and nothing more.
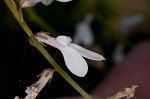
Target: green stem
(11, 5)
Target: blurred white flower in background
(118, 54)
(83, 32)
(28, 3)
(129, 22)
(73, 54)
(123, 28)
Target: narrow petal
(64, 0)
(75, 62)
(87, 53)
(46, 2)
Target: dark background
(21, 62)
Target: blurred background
(110, 28)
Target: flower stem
(19, 17)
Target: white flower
(73, 54)
(83, 32)
(28, 3)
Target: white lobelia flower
(28, 3)
(73, 54)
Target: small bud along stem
(19, 17)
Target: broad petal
(87, 53)
(75, 62)
(46, 2)
(64, 0)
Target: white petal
(45, 38)
(64, 40)
(75, 62)
(64, 0)
(46, 2)
(87, 53)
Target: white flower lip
(73, 54)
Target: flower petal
(64, 40)
(45, 38)
(87, 53)
(46, 2)
(64, 0)
(75, 62)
